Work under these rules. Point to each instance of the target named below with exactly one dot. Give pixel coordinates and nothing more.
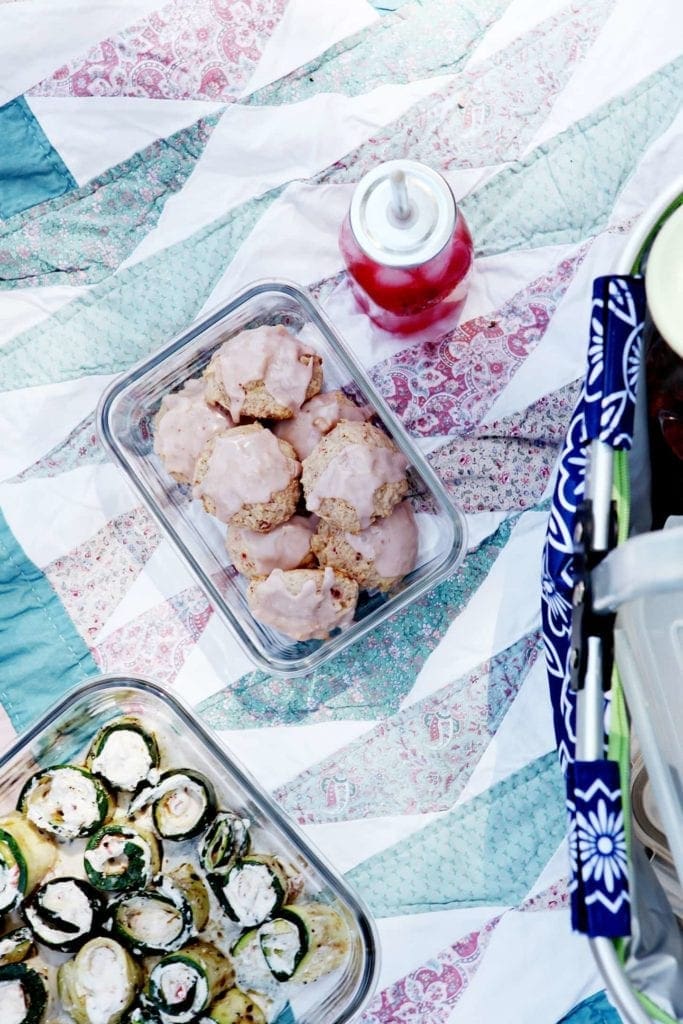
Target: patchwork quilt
(155, 158)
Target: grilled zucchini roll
(182, 985)
(304, 942)
(124, 755)
(99, 985)
(183, 802)
(16, 946)
(25, 857)
(227, 839)
(119, 857)
(151, 921)
(235, 1007)
(194, 891)
(63, 912)
(253, 890)
(23, 995)
(66, 801)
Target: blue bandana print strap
(605, 412)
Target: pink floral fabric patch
(190, 49)
(445, 386)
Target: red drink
(406, 245)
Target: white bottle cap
(402, 213)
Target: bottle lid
(402, 213)
(664, 281)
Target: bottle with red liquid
(407, 247)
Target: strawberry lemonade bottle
(406, 246)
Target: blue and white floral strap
(605, 412)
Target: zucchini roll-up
(194, 891)
(304, 942)
(16, 946)
(227, 840)
(119, 857)
(66, 801)
(23, 996)
(63, 912)
(183, 802)
(25, 857)
(253, 890)
(124, 755)
(152, 920)
(182, 985)
(235, 1007)
(99, 985)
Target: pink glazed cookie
(377, 557)
(317, 417)
(304, 604)
(265, 373)
(248, 477)
(287, 546)
(354, 475)
(183, 425)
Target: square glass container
(125, 417)
(63, 735)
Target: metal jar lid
(402, 213)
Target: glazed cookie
(377, 557)
(317, 417)
(287, 546)
(248, 477)
(354, 475)
(265, 373)
(304, 604)
(183, 425)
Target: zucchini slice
(23, 995)
(16, 946)
(99, 985)
(183, 803)
(63, 912)
(235, 1007)
(124, 755)
(226, 840)
(66, 801)
(25, 857)
(194, 890)
(149, 921)
(120, 857)
(182, 985)
(253, 890)
(304, 942)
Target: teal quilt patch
(596, 1009)
(489, 851)
(565, 190)
(31, 169)
(41, 654)
(82, 236)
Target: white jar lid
(402, 213)
(664, 281)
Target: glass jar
(406, 246)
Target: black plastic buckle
(585, 621)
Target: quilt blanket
(156, 156)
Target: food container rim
(243, 778)
(279, 666)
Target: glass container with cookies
(288, 487)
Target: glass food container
(64, 734)
(124, 421)
(407, 246)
